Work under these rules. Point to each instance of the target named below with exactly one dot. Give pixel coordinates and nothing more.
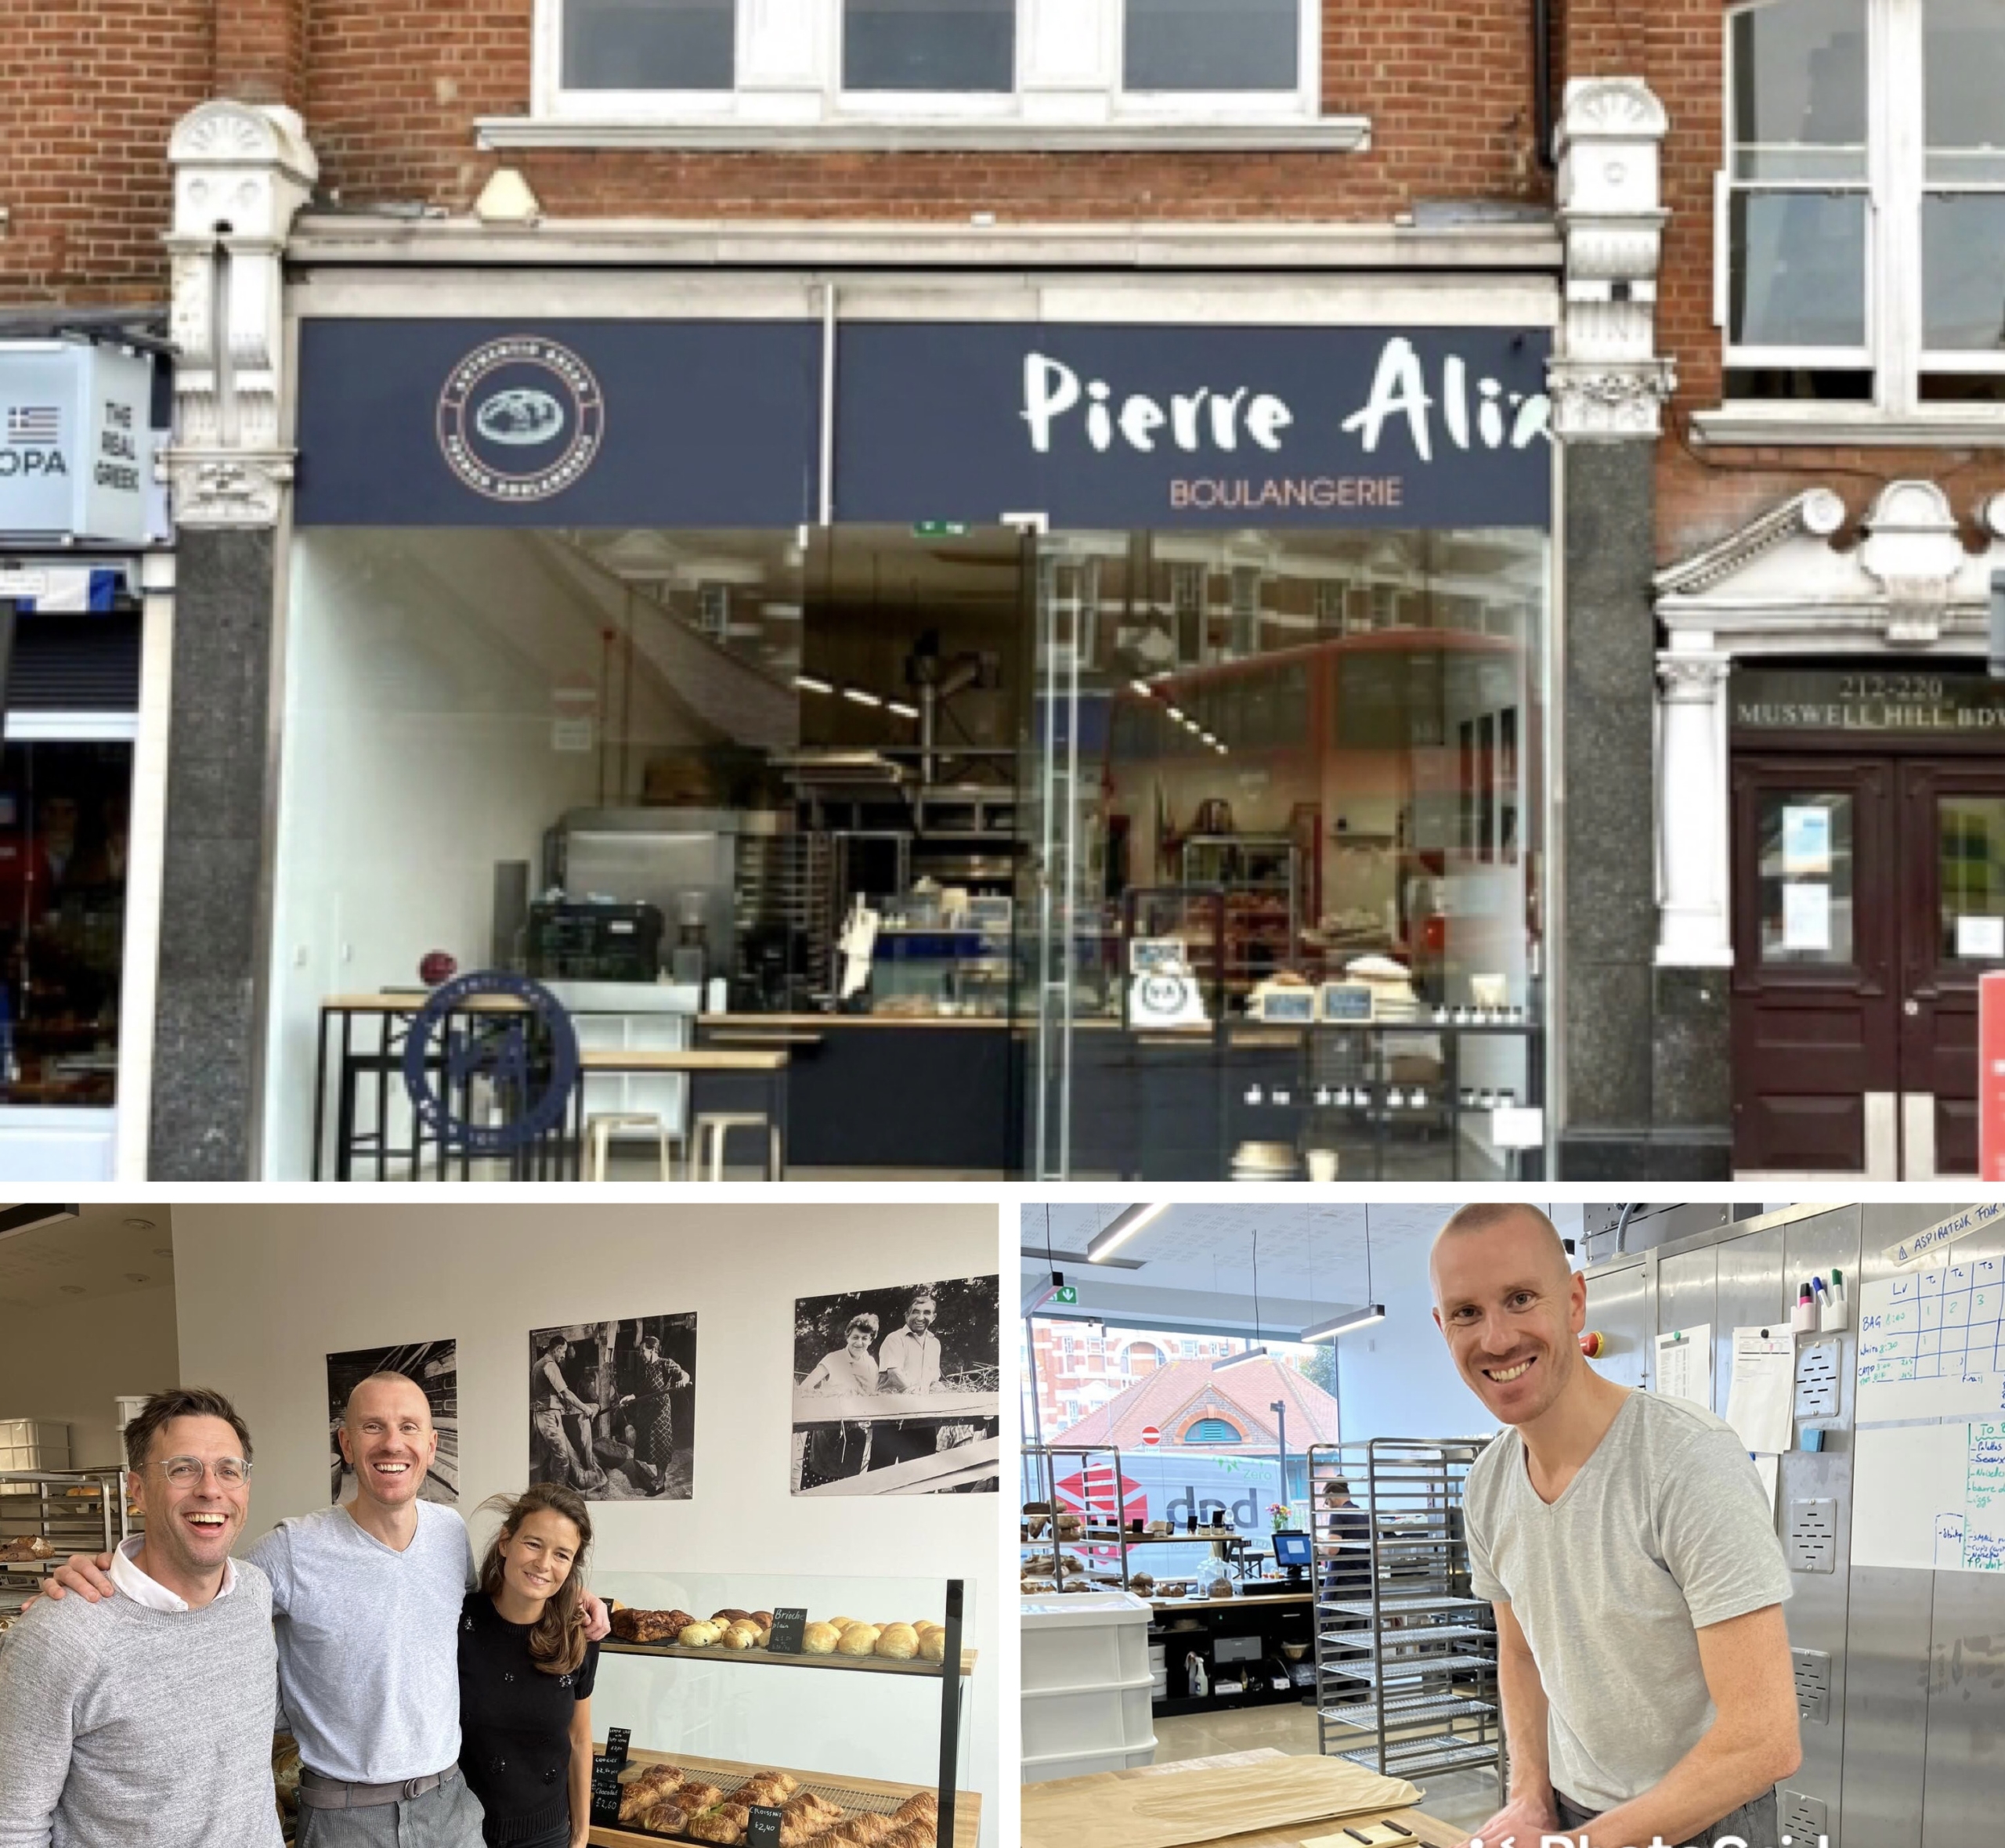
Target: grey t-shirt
(1666, 1529)
(369, 1651)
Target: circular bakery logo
(520, 419)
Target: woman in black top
(526, 1673)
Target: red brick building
(1560, 841)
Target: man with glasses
(148, 1723)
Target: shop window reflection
(63, 842)
(1368, 775)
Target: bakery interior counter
(894, 1092)
(1255, 1651)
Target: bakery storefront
(1055, 729)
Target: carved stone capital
(1690, 679)
(1598, 398)
(241, 173)
(233, 489)
(1608, 382)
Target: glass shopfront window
(1186, 822)
(1306, 866)
(64, 839)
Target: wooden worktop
(1428, 1831)
(785, 1023)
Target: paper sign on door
(1807, 916)
(1981, 938)
(1806, 839)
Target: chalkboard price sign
(789, 1624)
(762, 1826)
(605, 1790)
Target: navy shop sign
(422, 423)
(1164, 427)
(693, 424)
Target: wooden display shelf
(852, 1793)
(873, 1665)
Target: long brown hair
(557, 1643)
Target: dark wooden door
(1816, 1009)
(1953, 929)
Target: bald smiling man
(1629, 1551)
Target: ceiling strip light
(1122, 1227)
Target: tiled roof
(1174, 1396)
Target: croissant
(921, 1805)
(663, 1819)
(725, 1823)
(694, 1797)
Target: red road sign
(1150, 1435)
(1990, 1077)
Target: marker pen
(1804, 1320)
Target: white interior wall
(418, 752)
(266, 1292)
(70, 1362)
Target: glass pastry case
(743, 1708)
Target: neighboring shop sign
(937, 425)
(75, 441)
(453, 423)
(1872, 703)
(1193, 426)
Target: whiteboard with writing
(1931, 1497)
(1931, 1343)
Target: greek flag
(33, 423)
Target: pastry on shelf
(649, 1627)
(652, 1786)
(820, 1638)
(932, 1646)
(763, 1619)
(741, 1635)
(667, 1818)
(922, 1805)
(812, 1804)
(699, 1636)
(768, 1789)
(730, 1616)
(722, 1823)
(898, 1643)
(912, 1834)
(859, 1639)
(865, 1830)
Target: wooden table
(693, 1063)
(728, 1774)
(1429, 1832)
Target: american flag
(35, 423)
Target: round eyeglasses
(185, 1472)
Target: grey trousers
(1753, 1823)
(447, 1817)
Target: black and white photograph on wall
(898, 1391)
(612, 1407)
(434, 1366)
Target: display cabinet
(1088, 1544)
(837, 1733)
(931, 970)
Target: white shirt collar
(126, 1575)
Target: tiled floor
(1462, 1798)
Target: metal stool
(598, 1140)
(716, 1126)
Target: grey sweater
(123, 1727)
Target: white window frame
(788, 57)
(1896, 187)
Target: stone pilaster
(1609, 385)
(241, 172)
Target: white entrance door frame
(1910, 588)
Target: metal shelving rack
(43, 1504)
(1407, 1656)
(1041, 1469)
